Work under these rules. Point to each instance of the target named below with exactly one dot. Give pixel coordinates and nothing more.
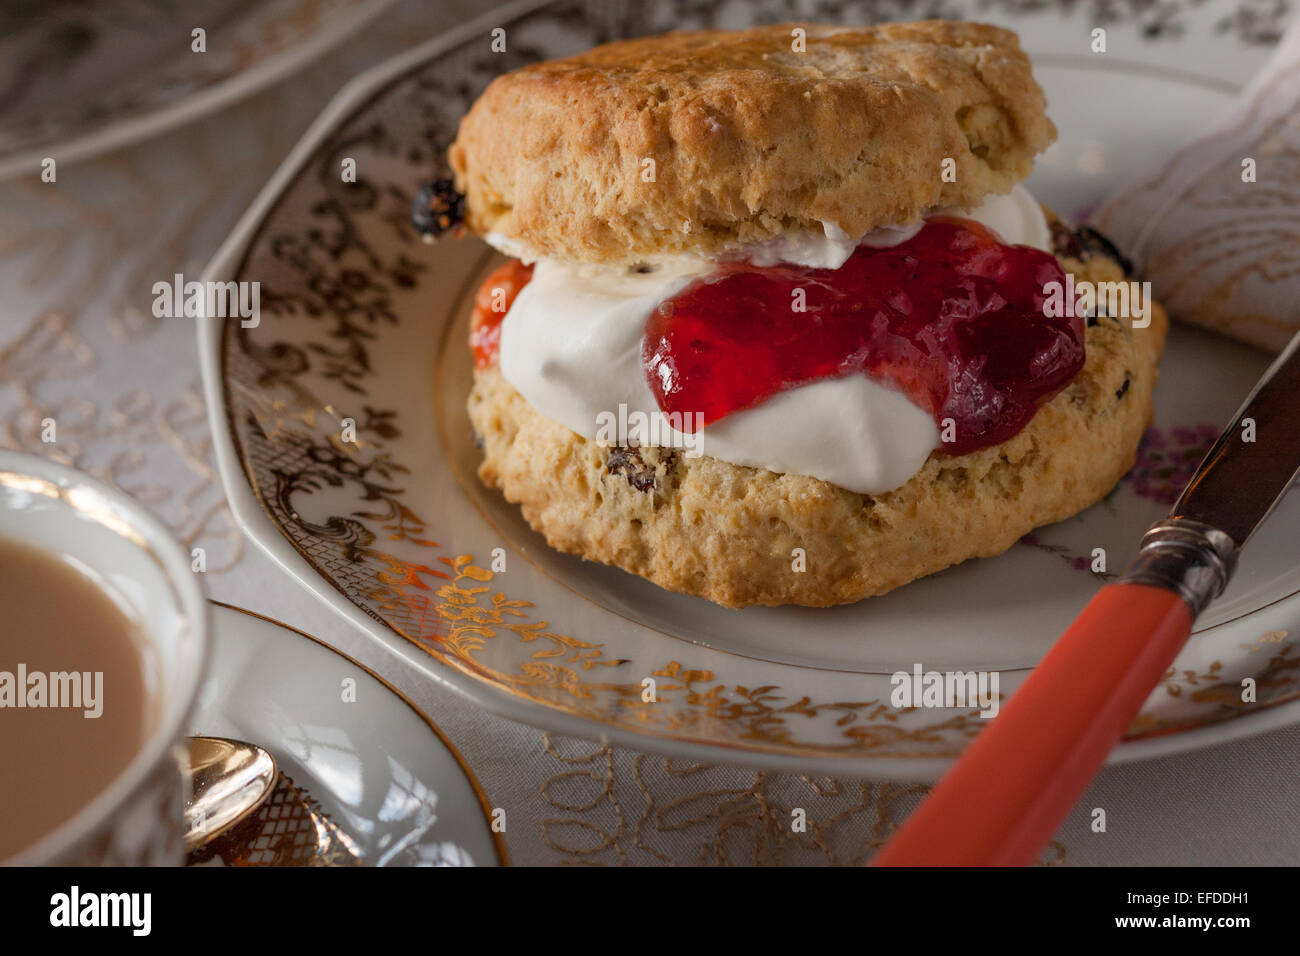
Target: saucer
(366, 778)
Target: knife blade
(1240, 482)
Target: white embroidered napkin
(1217, 229)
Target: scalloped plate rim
(257, 524)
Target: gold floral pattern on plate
(341, 408)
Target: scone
(780, 324)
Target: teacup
(136, 817)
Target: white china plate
(378, 768)
(81, 79)
(361, 321)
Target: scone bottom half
(727, 532)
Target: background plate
(77, 79)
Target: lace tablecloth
(78, 344)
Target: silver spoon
(229, 779)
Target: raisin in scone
(780, 325)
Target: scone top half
(705, 142)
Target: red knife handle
(1006, 797)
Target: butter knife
(1004, 799)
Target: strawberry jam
(495, 296)
(952, 317)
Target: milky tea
(74, 705)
